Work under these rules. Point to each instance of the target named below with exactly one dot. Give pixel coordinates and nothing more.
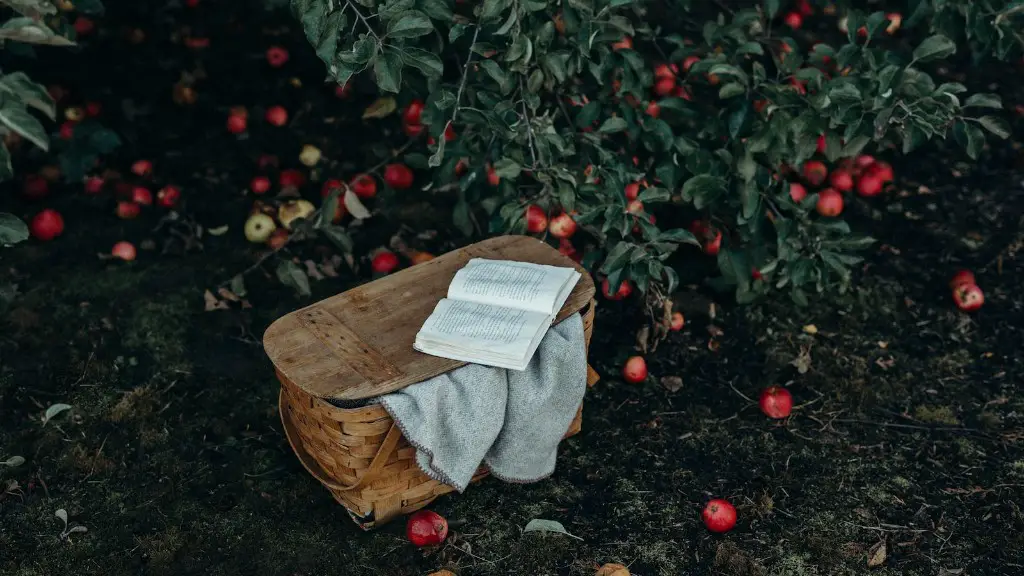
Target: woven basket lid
(358, 344)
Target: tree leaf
(29, 92)
(380, 108)
(14, 115)
(996, 125)
(678, 235)
(703, 188)
(507, 168)
(29, 31)
(984, 101)
(612, 125)
(53, 411)
(339, 237)
(410, 24)
(6, 170)
(438, 10)
(387, 70)
(14, 461)
(62, 515)
(877, 555)
(290, 274)
(12, 229)
(354, 206)
(428, 63)
(461, 217)
(771, 7)
(327, 43)
(934, 48)
(549, 526)
(731, 89)
(492, 9)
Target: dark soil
(908, 429)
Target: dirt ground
(907, 434)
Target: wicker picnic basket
(358, 345)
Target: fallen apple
(776, 402)
(46, 225)
(426, 528)
(289, 212)
(719, 515)
(634, 370)
(259, 227)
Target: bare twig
(366, 23)
(465, 75)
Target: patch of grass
(159, 328)
(936, 415)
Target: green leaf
(428, 63)
(289, 274)
(462, 218)
(934, 48)
(339, 237)
(975, 140)
(617, 257)
(492, 9)
(854, 146)
(410, 24)
(995, 125)
(845, 93)
(731, 89)
(751, 48)
(984, 101)
(493, 69)
(435, 159)
(678, 235)
(703, 188)
(771, 7)
(29, 92)
(654, 194)
(29, 31)
(541, 525)
(6, 171)
(387, 70)
(456, 32)
(14, 115)
(507, 168)
(12, 229)
(327, 43)
(612, 125)
(438, 10)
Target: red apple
(413, 130)
(93, 185)
(259, 185)
(815, 172)
(384, 262)
(830, 203)
(968, 297)
(794, 20)
(653, 109)
(142, 196)
(127, 210)
(624, 290)
(776, 402)
(962, 277)
(719, 516)
(625, 44)
(67, 130)
(237, 123)
(864, 161)
(142, 168)
(869, 184)
(492, 176)
(277, 116)
(168, 196)
(821, 144)
(562, 226)
(664, 71)
(413, 112)
(276, 56)
(895, 20)
(364, 186)
(797, 192)
(634, 370)
(426, 528)
(841, 180)
(536, 220)
(398, 176)
(632, 191)
(665, 86)
(882, 170)
(291, 178)
(689, 62)
(124, 251)
(46, 225)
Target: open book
(496, 312)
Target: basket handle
(391, 440)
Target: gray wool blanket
(510, 420)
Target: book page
(479, 326)
(534, 287)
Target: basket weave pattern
(359, 454)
